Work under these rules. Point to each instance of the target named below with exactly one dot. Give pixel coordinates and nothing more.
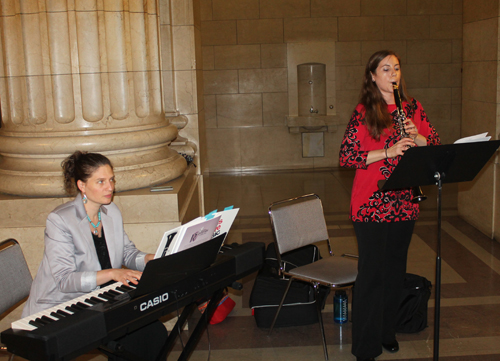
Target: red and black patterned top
(368, 203)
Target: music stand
(439, 164)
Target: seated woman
(86, 247)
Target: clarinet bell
(418, 195)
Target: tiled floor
(470, 294)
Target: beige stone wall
(244, 48)
(478, 201)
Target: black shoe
(391, 346)
(365, 359)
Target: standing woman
(383, 220)
(86, 247)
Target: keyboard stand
(113, 348)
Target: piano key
(62, 313)
(98, 300)
(57, 315)
(70, 307)
(83, 305)
(48, 319)
(43, 322)
(36, 324)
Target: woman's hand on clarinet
(411, 129)
(400, 147)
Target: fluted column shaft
(82, 75)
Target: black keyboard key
(71, 309)
(63, 313)
(125, 288)
(47, 319)
(113, 292)
(82, 305)
(77, 307)
(43, 322)
(95, 299)
(57, 315)
(36, 324)
(88, 300)
(106, 296)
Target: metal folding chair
(298, 222)
(15, 277)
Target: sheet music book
(166, 241)
(227, 217)
(195, 232)
(483, 137)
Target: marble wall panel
(385, 7)
(286, 148)
(346, 102)
(310, 29)
(478, 116)
(475, 200)
(274, 108)
(331, 158)
(236, 56)
(220, 81)
(208, 58)
(475, 10)
(416, 75)
(263, 31)
(445, 75)
(348, 53)
(434, 96)
(273, 55)
(263, 80)
(164, 12)
(406, 27)
(206, 12)
(370, 47)
(210, 111)
(224, 153)
(235, 9)
(285, 9)
(429, 51)
(239, 110)
(182, 12)
(361, 28)
(480, 81)
(446, 26)
(456, 96)
(350, 77)
(425, 7)
(480, 40)
(183, 41)
(222, 32)
(185, 91)
(322, 8)
(456, 51)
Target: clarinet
(418, 195)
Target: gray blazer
(70, 264)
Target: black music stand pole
(439, 164)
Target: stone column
(82, 75)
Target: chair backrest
(297, 222)
(15, 276)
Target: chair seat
(331, 271)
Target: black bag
(412, 314)
(299, 307)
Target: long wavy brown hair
(377, 116)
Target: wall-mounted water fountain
(311, 94)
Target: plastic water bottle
(340, 307)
